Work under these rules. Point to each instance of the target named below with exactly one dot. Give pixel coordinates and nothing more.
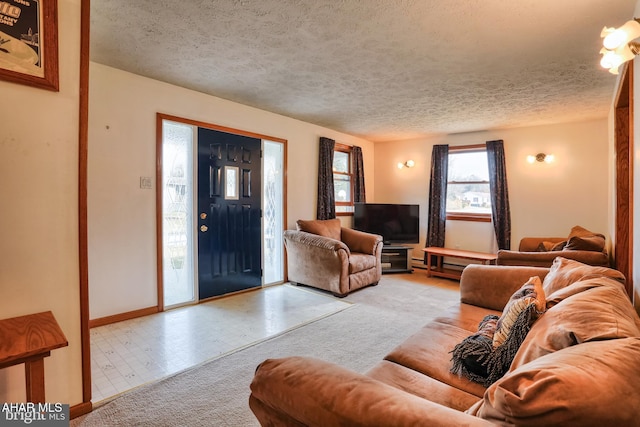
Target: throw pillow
(530, 294)
(485, 356)
(585, 243)
(581, 239)
(588, 310)
(545, 246)
(564, 272)
(580, 232)
(591, 384)
(322, 227)
(551, 246)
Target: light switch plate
(145, 182)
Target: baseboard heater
(418, 263)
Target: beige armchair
(324, 255)
(581, 245)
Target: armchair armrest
(317, 261)
(491, 286)
(359, 241)
(309, 239)
(310, 392)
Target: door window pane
(177, 213)
(273, 221)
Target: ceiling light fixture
(618, 45)
(541, 157)
(408, 163)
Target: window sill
(469, 217)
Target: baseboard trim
(80, 409)
(107, 320)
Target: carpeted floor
(216, 392)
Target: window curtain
(437, 196)
(500, 211)
(359, 195)
(326, 197)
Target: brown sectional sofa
(581, 245)
(578, 365)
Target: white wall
(545, 199)
(122, 138)
(39, 217)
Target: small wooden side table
(29, 339)
(440, 253)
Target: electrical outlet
(145, 182)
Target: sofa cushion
(564, 272)
(322, 227)
(592, 384)
(428, 352)
(421, 385)
(589, 310)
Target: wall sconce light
(541, 157)
(408, 163)
(619, 46)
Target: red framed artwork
(29, 42)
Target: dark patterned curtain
(500, 211)
(359, 195)
(437, 196)
(326, 196)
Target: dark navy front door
(228, 219)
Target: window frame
(343, 148)
(462, 216)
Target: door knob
(203, 215)
(203, 228)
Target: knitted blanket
(485, 356)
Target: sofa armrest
(491, 286)
(545, 259)
(310, 392)
(359, 241)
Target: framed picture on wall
(29, 42)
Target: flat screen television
(396, 223)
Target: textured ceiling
(379, 69)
